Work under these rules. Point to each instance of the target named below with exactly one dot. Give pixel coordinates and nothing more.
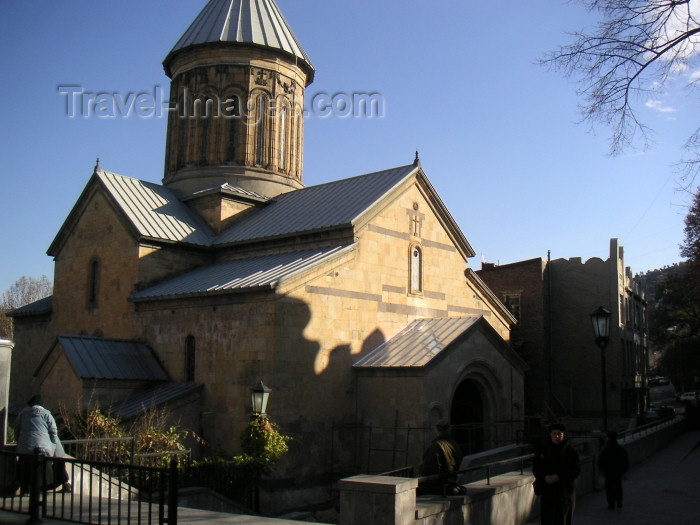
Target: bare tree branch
(636, 48)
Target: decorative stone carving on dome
(260, 77)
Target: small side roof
(260, 273)
(102, 358)
(425, 340)
(418, 343)
(42, 306)
(153, 211)
(153, 398)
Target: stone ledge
(378, 484)
(432, 505)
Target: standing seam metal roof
(418, 343)
(154, 397)
(41, 306)
(323, 206)
(155, 211)
(256, 272)
(258, 22)
(99, 358)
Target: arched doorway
(467, 417)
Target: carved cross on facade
(415, 225)
(260, 79)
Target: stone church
(352, 300)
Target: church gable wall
(368, 299)
(99, 244)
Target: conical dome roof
(247, 22)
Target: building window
(261, 130)
(416, 269)
(189, 358)
(93, 282)
(232, 115)
(283, 136)
(512, 302)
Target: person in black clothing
(613, 462)
(555, 466)
(442, 457)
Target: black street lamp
(260, 394)
(601, 329)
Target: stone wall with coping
(507, 499)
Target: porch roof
(418, 343)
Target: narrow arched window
(189, 358)
(283, 135)
(181, 126)
(204, 139)
(416, 269)
(261, 130)
(232, 113)
(93, 282)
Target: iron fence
(102, 492)
(113, 450)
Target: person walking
(555, 467)
(613, 462)
(36, 432)
(443, 456)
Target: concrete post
(380, 500)
(5, 360)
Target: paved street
(664, 490)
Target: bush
(262, 444)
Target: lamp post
(601, 329)
(260, 394)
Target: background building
(553, 301)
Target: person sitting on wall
(442, 460)
(36, 433)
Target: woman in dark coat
(613, 462)
(555, 466)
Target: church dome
(246, 22)
(236, 106)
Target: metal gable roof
(41, 306)
(315, 208)
(258, 22)
(154, 397)
(245, 274)
(155, 211)
(100, 358)
(418, 343)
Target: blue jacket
(36, 428)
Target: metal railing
(113, 450)
(102, 493)
(451, 479)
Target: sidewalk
(663, 490)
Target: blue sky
(497, 134)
